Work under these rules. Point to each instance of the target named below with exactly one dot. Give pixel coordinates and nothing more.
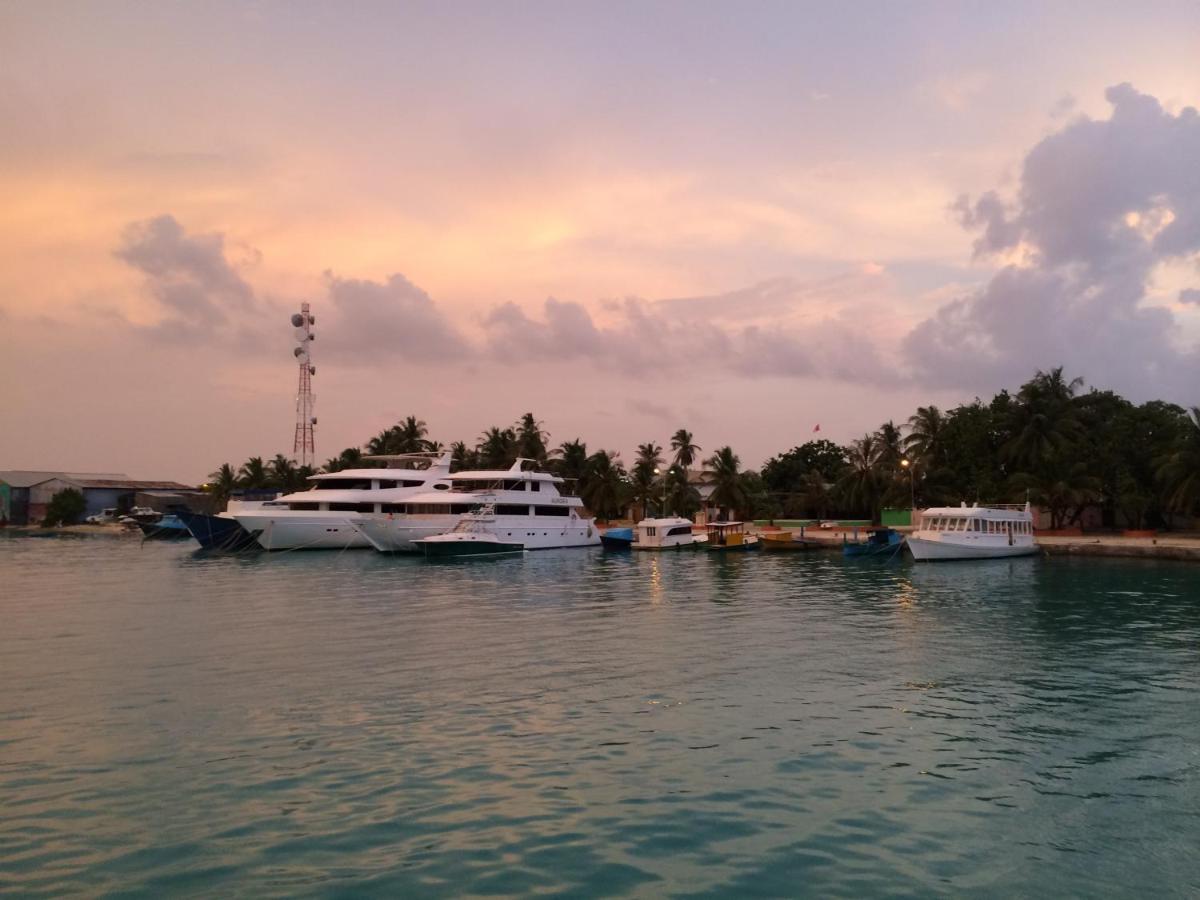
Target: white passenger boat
(320, 517)
(672, 533)
(529, 509)
(973, 532)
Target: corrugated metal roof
(128, 484)
(23, 478)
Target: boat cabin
(726, 534)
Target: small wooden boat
(785, 541)
(879, 542)
(731, 537)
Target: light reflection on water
(576, 723)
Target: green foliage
(685, 450)
(65, 508)
(603, 487)
(729, 493)
(531, 438)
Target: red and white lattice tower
(304, 447)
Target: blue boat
(617, 539)
(879, 542)
(170, 527)
(218, 533)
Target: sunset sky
(743, 219)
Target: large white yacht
(319, 518)
(973, 532)
(528, 508)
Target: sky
(628, 218)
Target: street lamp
(912, 490)
(658, 471)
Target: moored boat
(617, 539)
(731, 537)
(472, 536)
(879, 542)
(776, 541)
(672, 533)
(973, 532)
(529, 509)
(169, 527)
(221, 533)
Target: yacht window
(408, 482)
(680, 529)
(441, 487)
(535, 486)
(651, 531)
(304, 506)
(508, 509)
(514, 485)
(391, 507)
(553, 511)
(344, 484)
(352, 507)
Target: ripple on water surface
(589, 725)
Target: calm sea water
(570, 723)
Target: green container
(895, 517)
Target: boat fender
(589, 531)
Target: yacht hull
(292, 532)
(400, 534)
(924, 549)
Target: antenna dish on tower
(304, 446)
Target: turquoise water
(574, 724)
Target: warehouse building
(24, 495)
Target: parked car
(104, 517)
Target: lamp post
(658, 471)
(912, 490)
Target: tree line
(1052, 443)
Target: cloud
(393, 321)
(188, 276)
(779, 328)
(1190, 295)
(1101, 203)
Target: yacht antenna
(306, 422)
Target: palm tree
(572, 457)
(253, 474)
(685, 450)
(410, 436)
(817, 496)
(682, 498)
(531, 438)
(1179, 468)
(603, 485)
(728, 492)
(284, 473)
(860, 485)
(924, 442)
(463, 457)
(1061, 489)
(222, 483)
(498, 448)
(1043, 421)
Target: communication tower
(306, 422)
